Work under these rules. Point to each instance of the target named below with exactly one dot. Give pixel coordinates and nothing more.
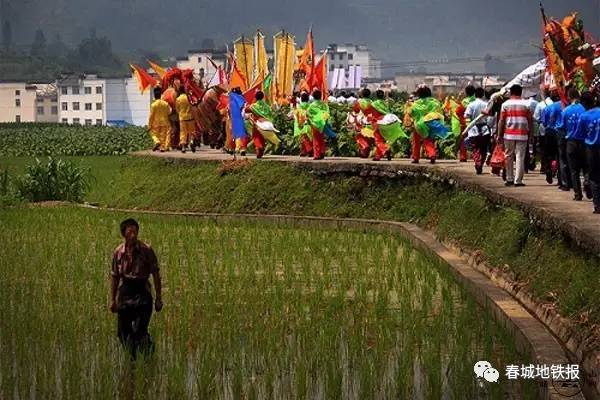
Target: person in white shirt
(332, 99)
(351, 99)
(341, 99)
(479, 135)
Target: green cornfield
(39, 139)
(253, 310)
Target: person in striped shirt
(514, 130)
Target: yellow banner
(261, 69)
(285, 55)
(243, 51)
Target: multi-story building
(17, 102)
(81, 100)
(94, 100)
(46, 103)
(199, 61)
(347, 55)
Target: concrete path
(544, 203)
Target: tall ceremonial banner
(261, 67)
(243, 52)
(285, 52)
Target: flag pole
(286, 61)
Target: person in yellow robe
(187, 124)
(158, 122)
(170, 96)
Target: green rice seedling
(252, 310)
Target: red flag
(145, 80)
(318, 78)
(250, 94)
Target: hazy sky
(398, 30)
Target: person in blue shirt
(576, 151)
(551, 120)
(589, 127)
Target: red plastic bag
(498, 158)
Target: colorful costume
(302, 129)
(357, 121)
(318, 115)
(187, 124)
(387, 128)
(159, 124)
(427, 117)
(170, 96)
(451, 108)
(364, 130)
(235, 118)
(261, 121)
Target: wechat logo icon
(484, 369)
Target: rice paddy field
(253, 310)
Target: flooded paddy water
(253, 310)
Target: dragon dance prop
(569, 56)
(193, 90)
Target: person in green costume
(259, 113)
(427, 116)
(318, 115)
(302, 130)
(386, 126)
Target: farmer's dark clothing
(134, 298)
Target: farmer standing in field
(132, 264)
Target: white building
(17, 102)
(92, 100)
(81, 100)
(28, 102)
(125, 104)
(344, 56)
(199, 61)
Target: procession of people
(555, 126)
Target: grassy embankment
(552, 269)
